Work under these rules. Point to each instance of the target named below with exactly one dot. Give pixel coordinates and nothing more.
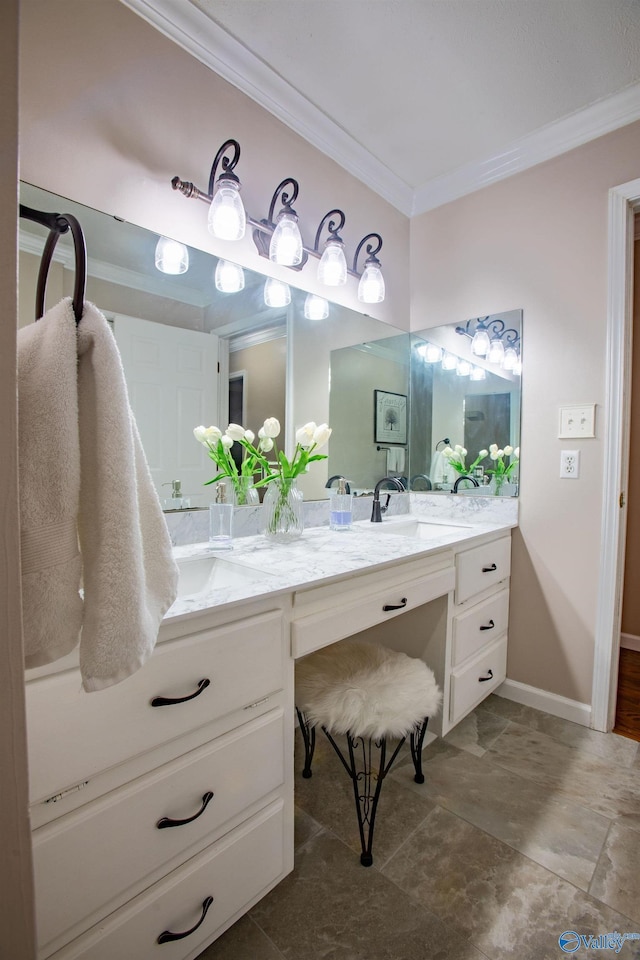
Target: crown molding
(551, 141)
(196, 33)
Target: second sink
(200, 574)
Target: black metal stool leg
(416, 741)
(366, 777)
(309, 738)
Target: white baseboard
(629, 642)
(551, 703)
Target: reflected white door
(172, 376)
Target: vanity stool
(371, 695)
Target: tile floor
(526, 826)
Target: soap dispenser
(341, 510)
(176, 501)
(221, 520)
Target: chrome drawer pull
(395, 606)
(488, 626)
(166, 936)
(489, 569)
(483, 679)
(168, 822)
(168, 701)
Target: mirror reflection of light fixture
(463, 368)
(449, 361)
(171, 256)
(496, 352)
(517, 368)
(229, 277)
(371, 286)
(510, 358)
(491, 338)
(478, 373)
(315, 308)
(332, 269)
(480, 343)
(276, 293)
(430, 353)
(281, 240)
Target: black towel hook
(59, 223)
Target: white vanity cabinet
(161, 792)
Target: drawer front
(73, 735)
(340, 621)
(234, 871)
(471, 684)
(94, 857)
(482, 567)
(480, 625)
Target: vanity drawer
(471, 684)
(118, 836)
(479, 625)
(73, 735)
(234, 871)
(345, 618)
(482, 567)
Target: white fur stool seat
(368, 693)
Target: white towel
(81, 462)
(395, 460)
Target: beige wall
(265, 368)
(631, 595)
(539, 241)
(17, 939)
(112, 124)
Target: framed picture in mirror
(390, 417)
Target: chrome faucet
(377, 511)
(465, 477)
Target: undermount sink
(419, 529)
(201, 574)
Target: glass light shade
(463, 368)
(227, 218)
(171, 256)
(286, 242)
(371, 286)
(517, 369)
(229, 277)
(276, 293)
(510, 358)
(496, 352)
(315, 308)
(432, 353)
(480, 343)
(449, 361)
(332, 269)
(478, 373)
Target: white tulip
(508, 450)
(493, 454)
(235, 431)
(227, 442)
(463, 452)
(483, 453)
(321, 434)
(271, 427)
(459, 448)
(249, 435)
(447, 452)
(200, 434)
(516, 453)
(212, 435)
(493, 446)
(304, 435)
(266, 444)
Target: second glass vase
(282, 511)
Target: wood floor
(628, 705)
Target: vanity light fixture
(463, 368)
(171, 256)
(229, 277)
(276, 293)
(430, 352)
(478, 373)
(491, 338)
(332, 269)
(279, 238)
(449, 361)
(316, 308)
(496, 352)
(371, 286)
(510, 358)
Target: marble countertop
(322, 555)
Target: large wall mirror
(194, 355)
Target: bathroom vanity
(162, 808)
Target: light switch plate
(578, 420)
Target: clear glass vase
(244, 492)
(282, 512)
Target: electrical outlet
(569, 464)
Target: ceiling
(424, 100)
